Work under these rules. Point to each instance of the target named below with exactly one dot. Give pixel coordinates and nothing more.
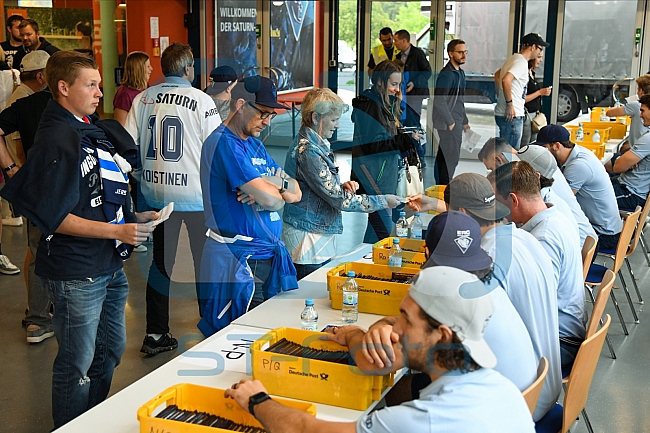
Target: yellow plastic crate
(436, 191)
(617, 130)
(412, 252)
(597, 148)
(595, 113)
(311, 379)
(202, 399)
(375, 297)
(588, 133)
(595, 117)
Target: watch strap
(8, 169)
(256, 399)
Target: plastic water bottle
(309, 316)
(580, 134)
(350, 309)
(395, 257)
(416, 227)
(596, 137)
(402, 227)
(603, 116)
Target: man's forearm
(277, 418)
(73, 225)
(507, 89)
(5, 158)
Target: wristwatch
(8, 169)
(509, 102)
(285, 185)
(257, 399)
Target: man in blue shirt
(517, 186)
(440, 329)
(244, 260)
(633, 184)
(589, 181)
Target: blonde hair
(380, 76)
(322, 102)
(135, 71)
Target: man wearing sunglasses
(244, 260)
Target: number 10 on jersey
(171, 142)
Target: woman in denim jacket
(310, 225)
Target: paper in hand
(163, 214)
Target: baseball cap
(534, 39)
(454, 239)
(473, 192)
(540, 158)
(221, 77)
(34, 61)
(265, 92)
(223, 74)
(551, 134)
(457, 299)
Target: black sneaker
(151, 346)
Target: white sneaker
(6, 267)
(140, 249)
(12, 222)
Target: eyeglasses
(263, 114)
(461, 52)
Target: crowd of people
(512, 239)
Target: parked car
(347, 57)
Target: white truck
(596, 53)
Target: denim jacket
(311, 163)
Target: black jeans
(448, 154)
(605, 242)
(165, 244)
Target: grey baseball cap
(474, 193)
(540, 158)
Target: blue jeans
(511, 131)
(90, 327)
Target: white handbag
(409, 180)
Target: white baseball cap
(34, 61)
(459, 300)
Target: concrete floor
(619, 400)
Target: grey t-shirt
(637, 129)
(586, 174)
(637, 179)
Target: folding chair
(597, 272)
(559, 419)
(531, 394)
(641, 227)
(588, 251)
(630, 249)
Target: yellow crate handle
(257, 344)
(169, 396)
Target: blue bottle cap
(402, 214)
(351, 274)
(396, 240)
(417, 214)
(309, 302)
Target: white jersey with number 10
(169, 123)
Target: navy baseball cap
(262, 88)
(551, 134)
(454, 239)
